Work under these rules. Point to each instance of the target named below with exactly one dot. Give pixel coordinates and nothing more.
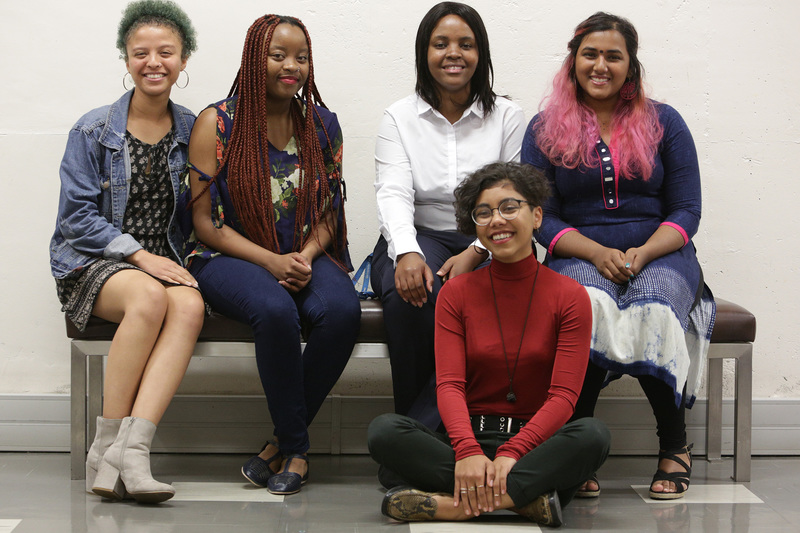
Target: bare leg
(138, 303)
(171, 354)
(158, 327)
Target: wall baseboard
(240, 424)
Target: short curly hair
(529, 181)
(156, 13)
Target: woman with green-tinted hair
(117, 247)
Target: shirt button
(106, 184)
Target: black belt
(506, 424)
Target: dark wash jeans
(426, 460)
(295, 383)
(409, 329)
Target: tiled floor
(343, 495)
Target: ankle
(446, 511)
(294, 464)
(269, 452)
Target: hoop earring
(125, 78)
(187, 80)
(628, 90)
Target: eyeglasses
(508, 209)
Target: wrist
(136, 257)
(596, 253)
(406, 255)
(266, 259)
(311, 251)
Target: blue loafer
(257, 471)
(288, 482)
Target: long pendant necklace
(511, 397)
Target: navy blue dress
(654, 324)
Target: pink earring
(628, 90)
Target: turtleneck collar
(521, 269)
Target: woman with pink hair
(626, 203)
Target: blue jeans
(327, 308)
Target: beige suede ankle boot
(130, 455)
(107, 429)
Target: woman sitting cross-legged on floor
(512, 345)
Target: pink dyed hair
(567, 129)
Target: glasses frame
(499, 212)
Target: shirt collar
(424, 108)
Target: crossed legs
(158, 328)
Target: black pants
(670, 419)
(426, 460)
(409, 329)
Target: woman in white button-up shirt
(427, 144)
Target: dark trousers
(409, 329)
(295, 384)
(426, 460)
(670, 419)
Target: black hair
(602, 21)
(480, 87)
(529, 181)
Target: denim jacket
(95, 182)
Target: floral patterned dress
(147, 216)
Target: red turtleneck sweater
(471, 374)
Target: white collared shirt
(420, 158)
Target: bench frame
(742, 352)
(86, 394)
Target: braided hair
(247, 152)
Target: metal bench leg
(94, 388)
(714, 410)
(77, 449)
(743, 415)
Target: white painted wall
(725, 65)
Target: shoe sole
(302, 484)
(587, 494)
(152, 497)
(251, 481)
(108, 494)
(667, 495)
(558, 514)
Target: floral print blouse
(285, 174)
